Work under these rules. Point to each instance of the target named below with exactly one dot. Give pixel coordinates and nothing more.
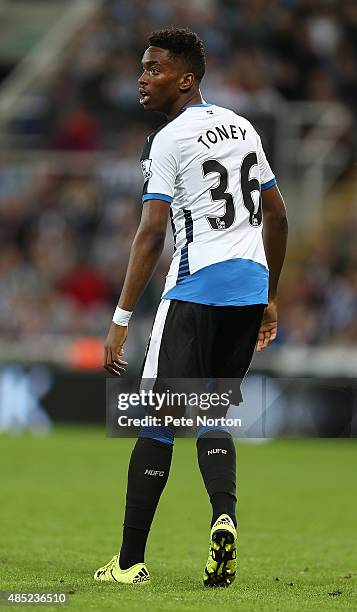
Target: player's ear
(186, 81)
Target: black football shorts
(191, 340)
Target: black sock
(223, 503)
(133, 547)
(217, 461)
(147, 476)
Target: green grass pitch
(62, 506)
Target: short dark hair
(183, 43)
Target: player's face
(161, 81)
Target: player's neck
(192, 98)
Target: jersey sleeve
(267, 178)
(159, 163)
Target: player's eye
(154, 71)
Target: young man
(206, 168)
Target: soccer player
(206, 168)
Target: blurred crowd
(67, 222)
(64, 243)
(318, 296)
(261, 54)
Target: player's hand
(113, 349)
(269, 326)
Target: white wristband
(121, 317)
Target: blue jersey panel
(236, 282)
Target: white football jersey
(208, 163)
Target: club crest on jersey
(145, 166)
(220, 224)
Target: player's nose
(142, 80)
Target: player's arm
(275, 233)
(144, 255)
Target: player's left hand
(113, 349)
(269, 326)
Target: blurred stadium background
(71, 135)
